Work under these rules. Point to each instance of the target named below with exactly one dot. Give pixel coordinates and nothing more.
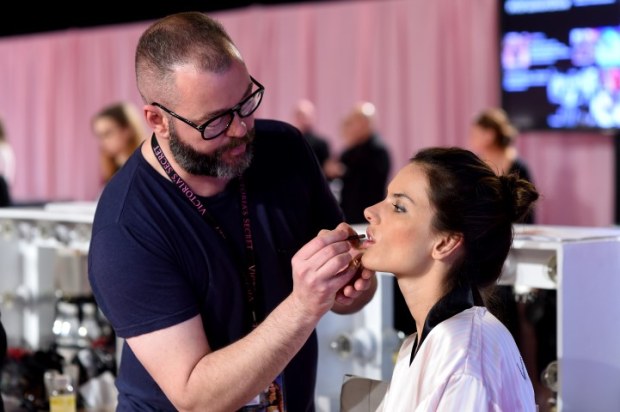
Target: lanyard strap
(249, 277)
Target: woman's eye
(398, 208)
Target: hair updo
(470, 199)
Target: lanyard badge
(269, 400)
(272, 398)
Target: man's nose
(238, 127)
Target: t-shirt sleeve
(135, 282)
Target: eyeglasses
(217, 125)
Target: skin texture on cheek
(216, 164)
(400, 226)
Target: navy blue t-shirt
(154, 262)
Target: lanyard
(249, 276)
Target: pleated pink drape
(428, 66)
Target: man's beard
(214, 164)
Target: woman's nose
(369, 213)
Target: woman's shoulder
(406, 347)
(475, 329)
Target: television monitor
(560, 64)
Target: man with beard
(193, 240)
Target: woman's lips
(368, 241)
(369, 236)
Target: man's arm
(195, 378)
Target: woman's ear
(448, 246)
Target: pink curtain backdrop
(429, 67)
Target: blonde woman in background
(120, 131)
(492, 137)
(529, 314)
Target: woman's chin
(367, 263)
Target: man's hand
(321, 268)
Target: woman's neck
(421, 293)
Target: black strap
(249, 275)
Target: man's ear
(155, 120)
(447, 246)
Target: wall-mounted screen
(560, 63)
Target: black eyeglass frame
(230, 112)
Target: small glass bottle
(89, 330)
(66, 324)
(62, 395)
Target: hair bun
(519, 196)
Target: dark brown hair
(470, 199)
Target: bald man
(365, 163)
(304, 119)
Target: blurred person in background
(120, 130)
(492, 137)
(359, 178)
(304, 118)
(364, 166)
(7, 168)
(529, 314)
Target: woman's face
(480, 139)
(400, 235)
(113, 139)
